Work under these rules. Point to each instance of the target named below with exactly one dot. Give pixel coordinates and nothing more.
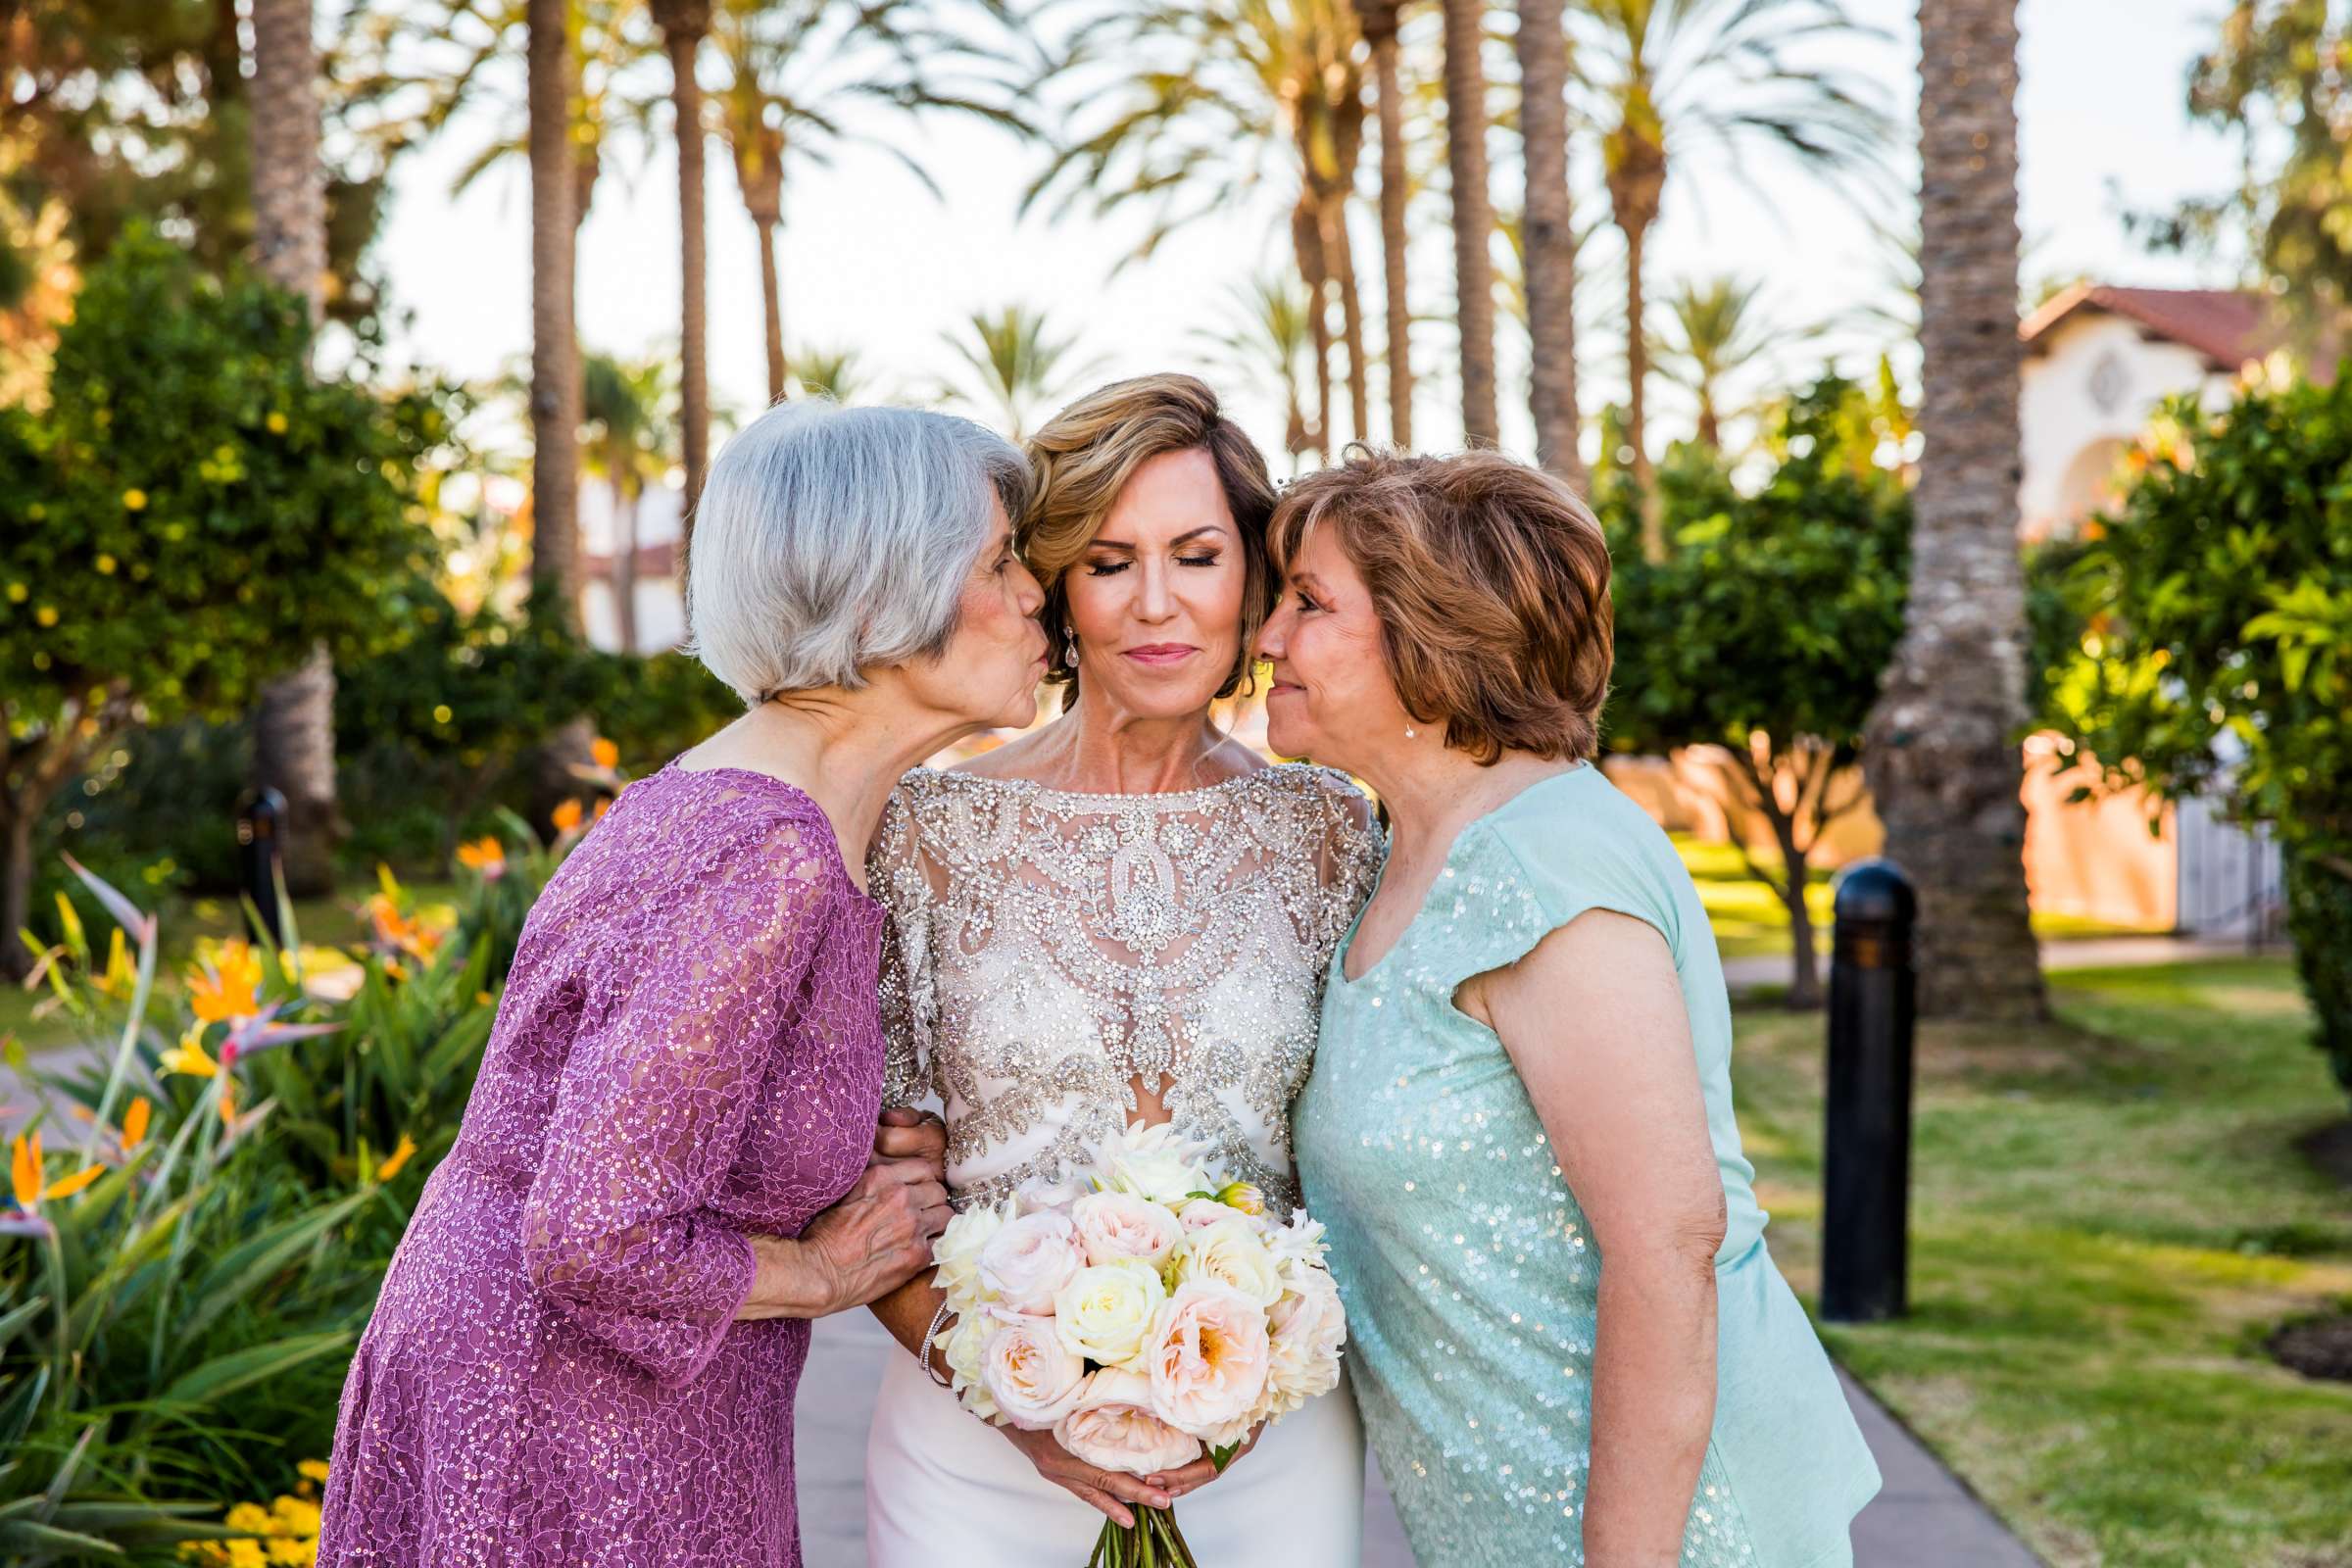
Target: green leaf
(227, 1374)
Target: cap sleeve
(1509, 885)
(900, 877)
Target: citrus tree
(2214, 653)
(191, 512)
(1763, 630)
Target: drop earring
(1410, 732)
(1070, 649)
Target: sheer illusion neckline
(1107, 800)
(797, 797)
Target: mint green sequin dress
(1469, 1272)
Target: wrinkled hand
(914, 1135)
(1102, 1490)
(1201, 1471)
(877, 1237)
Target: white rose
(1033, 1380)
(1029, 1259)
(957, 1255)
(1230, 1254)
(1301, 1241)
(1105, 1311)
(1114, 1427)
(1309, 1325)
(1154, 1162)
(962, 1356)
(1120, 1227)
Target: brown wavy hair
(1084, 455)
(1492, 583)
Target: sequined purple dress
(688, 1052)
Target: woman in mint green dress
(1568, 1339)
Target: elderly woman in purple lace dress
(586, 1349)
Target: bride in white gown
(1121, 916)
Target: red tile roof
(2229, 326)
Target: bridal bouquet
(1141, 1313)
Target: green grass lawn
(1750, 922)
(334, 921)
(2109, 1216)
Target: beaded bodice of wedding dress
(1052, 955)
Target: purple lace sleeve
(651, 1110)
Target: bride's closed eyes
(1112, 566)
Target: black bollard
(261, 818)
(1866, 1211)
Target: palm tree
(1466, 121)
(625, 409)
(1378, 20)
(1941, 748)
(1548, 238)
(828, 371)
(1018, 365)
(1267, 338)
(684, 25)
(1718, 331)
(1666, 81)
(793, 67)
(555, 346)
(1193, 95)
(294, 721)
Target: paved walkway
(1924, 1519)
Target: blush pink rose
(1113, 1427)
(1029, 1259)
(1120, 1227)
(1208, 1356)
(1034, 1381)
(1309, 1326)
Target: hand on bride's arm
(870, 1244)
(1107, 1490)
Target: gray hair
(831, 541)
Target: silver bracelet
(922, 1357)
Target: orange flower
(486, 856)
(25, 1176)
(402, 933)
(134, 1123)
(189, 1056)
(601, 807)
(228, 1102)
(607, 755)
(227, 988)
(568, 815)
(399, 1156)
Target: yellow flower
(120, 979)
(1244, 1196)
(47, 614)
(134, 1123)
(486, 856)
(400, 1157)
(276, 422)
(189, 1057)
(106, 566)
(247, 1555)
(313, 1470)
(17, 593)
(134, 499)
(607, 755)
(226, 990)
(289, 1550)
(567, 816)
(294, 1517)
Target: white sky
(871, 260)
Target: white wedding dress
(1051, 955)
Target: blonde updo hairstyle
(1084, 455)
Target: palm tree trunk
(1473, 217)
(1550, 237)
(555, 344)
(624, 564)
(294, 720)
(1307, 239)
(1340, 254)
(684, 25)
(1942, 758)
(1391, 222)
(771, 301)
(1636, 396)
